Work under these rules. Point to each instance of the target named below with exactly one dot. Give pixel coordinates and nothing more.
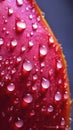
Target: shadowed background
(59, 15)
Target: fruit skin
(34, 89)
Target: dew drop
(14, 43)
(38, 18)
(23, 49)
(62, 122)
(10, 11)
(31, 16)
(1, 41)
(51, 40)
(27, 99)
(30, 43)
(50, 108)
(43, 51)
(19, 123)
(66, 95)
(11, 87)
(58, 96)
(19, 2)
(27, 66)
(20, 26)
(42, 64)
(1, 58)
(59, 64)
(34, 26)
(34, 87)
(35, 77)
(19, 59)
(45, 83)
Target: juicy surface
(34, 89)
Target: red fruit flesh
(34, 87)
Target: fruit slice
(34, 86)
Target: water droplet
(62, 121)
(11, 87)
(19, 2)
(10, 11)
(42, 64)
(13, 71)
(1, 41)
(50, 108)
(34, 87)
(60, 81)
(38, 18)
(34, 26)
(20, 26)
(59, 64)
(30, 43)
(19, 59)
(27, 99)
(14, 43)
(31, 16)
(66, 95)
(23, 49)
(1, 58)
(58, 96)
(19, 123)
(51, 40)
(43, 50)
(35, 77)
(27, 66)
(45, 83)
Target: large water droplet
(27, 99)
(14, 43)
(45, 83)
(58, 96)
(1, 41)
(27, 66)
(19, 2)
(19, 123)
(11, 87)
(20, 26)
(43, 50)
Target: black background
(59, 15)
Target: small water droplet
(31, 16)
(27, 99)
(50, 108)
(45, 83)
(42, 64)
(38, 18)
(27, 66)
(66, 95)
(19, 123)
(30, 43)
(11, 87)
(34, 26)
(59, 64)
(62, 121)
(19, 2)
(51, 40)
(60, 81)
(43, 50)
(10, 11)
(20, 26)
(58, 96)
(1, 41)
(23, 49)
(14, 43)
(19, 59)
(1, 58)
(35, 77)
(34, 87)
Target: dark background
(59, 15)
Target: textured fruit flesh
(34, 87)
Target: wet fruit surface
(34, 88)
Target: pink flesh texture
(33, 93)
